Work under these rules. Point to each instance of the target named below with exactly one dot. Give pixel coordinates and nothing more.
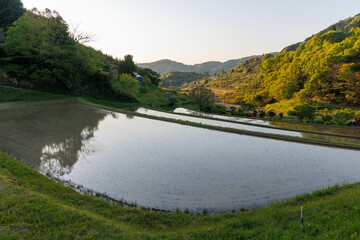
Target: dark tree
(127, 65)
(10, 11)
(152, 75)
(304, 111)
(202, 96)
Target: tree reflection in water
(49, 136)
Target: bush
(304, 111)
(245, 107)
(276, 118)
(327, 118)
(218, 109)
(172, 101)
(344, 115)
(144, 89)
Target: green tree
(202, 96)
(124, 84)
(146, 81)
(152, 75)
(127, 65)
(304, 111)
(40, 51)
(10, 11)
(245, 107)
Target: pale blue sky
(194, 31)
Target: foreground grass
(33, 206)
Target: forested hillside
(177, 79)
(40, 51)
(325, 68)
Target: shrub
(277, 118)
(304, 111)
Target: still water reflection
(166, 165)
(289, 125)
(214, 122)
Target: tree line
(40, 51)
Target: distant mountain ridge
(214, 67)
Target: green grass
(156, 98)
(16, 94)
(33, 206)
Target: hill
(213, 67)
(341, 26)
(177, 79)
(62, 63)
(325, 68)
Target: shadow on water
(55, 133)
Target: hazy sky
(194, 31)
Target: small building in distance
(138, 77)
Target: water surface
(240, 126)
(166, 165)
(289, 125)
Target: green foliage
(10, 11)
(127, 65)
(40, 53)
(146, 81)
(245, 79)
(40, 50)
(277, 118)
(245, 107)
(216, 109)
(202, 96)
(304, 111)
(323, 68)
(172, 101)
(124, 84)
(177, 79)
(150, 74)
(344, 115)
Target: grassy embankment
(36, 207)
(33, 206)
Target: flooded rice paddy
(289, 125)
(166, 165)
(240, 126)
